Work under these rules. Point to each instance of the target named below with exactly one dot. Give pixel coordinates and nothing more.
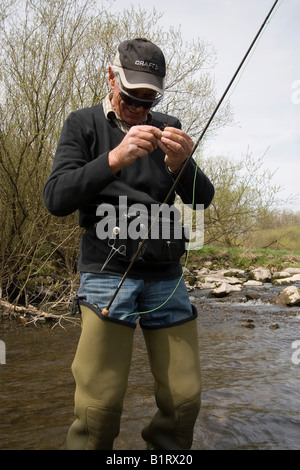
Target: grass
(283, 250)
(242, 258)
(282, 238)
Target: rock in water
(288, 296)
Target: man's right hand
(139, 142)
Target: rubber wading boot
(100, 368)
(175, 364)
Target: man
(120, 151)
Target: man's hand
(138, 143)
(177, 145)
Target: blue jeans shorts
(155, 304)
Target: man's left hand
(177, 145)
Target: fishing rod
(105, 310)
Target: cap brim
(133, 79)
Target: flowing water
(251, 381)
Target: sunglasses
(136, 102)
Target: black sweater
(81, 179)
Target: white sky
(266, 97)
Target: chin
(133, 118)
(133, 122)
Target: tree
(243, 194)
(54, 59)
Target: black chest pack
(163, 236)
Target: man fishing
(114, 162)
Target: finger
(148, 133)
(176, 145)
(141, 145)
(145, 144)
(178, 136)
(163, 147)
(157, 133)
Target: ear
(111, 78)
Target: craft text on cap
(140, 64)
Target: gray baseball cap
(140, 64)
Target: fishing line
(185, 263)
(105, 311)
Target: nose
(135, 109)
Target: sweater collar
(111, 115)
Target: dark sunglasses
(135, 102)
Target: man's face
(132, 115)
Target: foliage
(54, 59)
(243, 192)
(220, 257)
(282, 238)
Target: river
(251, 381)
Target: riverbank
(226, 282)
(213, 271)
(242, 258)
(221, 272)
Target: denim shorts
(153, 303)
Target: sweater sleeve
(77, 176)
(194, 186)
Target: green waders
(175, 364)
(100, 368)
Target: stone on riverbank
(281, 275)
(252, 283)
(293, 270)
(225, 289)
(288, 296)
(287, 280)
(224, 282)
(261, 274)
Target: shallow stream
(251, 381)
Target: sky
(265, 98)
